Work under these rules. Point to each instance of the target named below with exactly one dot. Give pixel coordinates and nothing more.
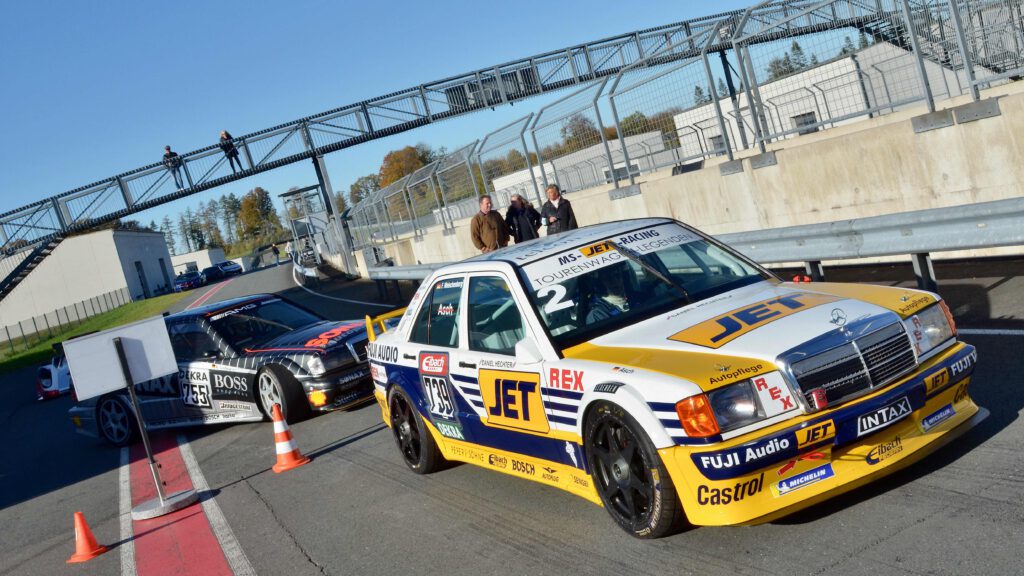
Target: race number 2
(439, 396)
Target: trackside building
(90, 266)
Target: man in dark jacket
(557, 212)
(523, 219)
(173, 164)
(487, 229)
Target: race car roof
(527, 252)
(204, 310)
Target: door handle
(409, 356)
(467, 365)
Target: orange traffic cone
(288, 456)
(86, 547)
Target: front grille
(869, 362)
(359, 349)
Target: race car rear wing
(381, 322)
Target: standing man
(277, 253)
(488, 229)
(173, 164)
(523, 219)
(557, 212)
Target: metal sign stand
(162, 504)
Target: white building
(91, 266)
(837, 92)
(197, 260)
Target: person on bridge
(557, 212)
(523, 219)
(488, 229)
(228, 146)
(173, 164)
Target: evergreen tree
(862, 40)
(699, 97)
(848, 47)
(797, 57)
(814, 60)
(723, 90)
(168, 229)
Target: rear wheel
(419, 451)
(629, 476)
(116, 422)
(275, 385)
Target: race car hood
(325, 338)
(739, 334)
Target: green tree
(699, 96)
(862, 40)
(635, 123)
(183, 231)
(814, 60)
(578, 132)
(723, 90)
(848, 47)
(229, 207)
(798, 59)
(363, 187)
(168, 229)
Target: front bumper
(83, 417)
(772, 472)
(337, 391)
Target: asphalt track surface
(356, 509)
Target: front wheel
(116, 422)
(629, 476)
(419, 451)
(275, 385)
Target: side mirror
(527, 352)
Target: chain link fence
(780, 70)
(25, 334)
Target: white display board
(94, 364)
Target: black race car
(235, 360)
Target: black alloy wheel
(419, 451)
(629, 476)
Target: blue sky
(91, 89)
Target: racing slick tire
(414, 441)
(629, 475)
(115, 421)
(275, 385)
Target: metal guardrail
(917, 233)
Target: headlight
(736, 405)
(315, 366)
(930, 328)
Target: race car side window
(190, 342)
(495, 323)
(437, 323)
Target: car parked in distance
(649, 368)
(188, 281)
(236, 359)
(54, 378)
(230, 268)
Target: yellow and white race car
(650, 369)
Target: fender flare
(630, 400)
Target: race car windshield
(250, 325)
(592, 290)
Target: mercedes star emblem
(838, 317)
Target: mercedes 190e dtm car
(650, 369)
(236, 359)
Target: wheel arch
(629, 399)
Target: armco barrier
(917, 233)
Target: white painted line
(989, 332)
(228, 543)
(127, 546)
(296, 279)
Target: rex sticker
(513, 400)
(719, 331)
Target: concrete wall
(150, 252)
(869, 168)
(197, 260)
